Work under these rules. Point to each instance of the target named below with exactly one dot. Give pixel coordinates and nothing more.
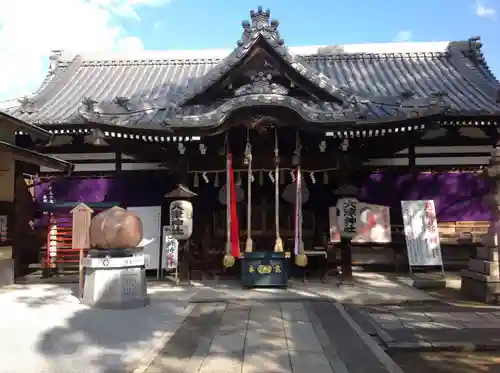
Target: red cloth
(234, 229)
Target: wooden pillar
(7, 182)
(411, 154)
(118, 161)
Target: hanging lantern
(216, 179)
(282, 177)
(181, 219)
(325, 177)
(261, 178)
(196, 181)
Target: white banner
(151, 230)
(170, 257)
(373, 224)
(421, 233)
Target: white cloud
(484, 11)
(403, 35)
(130, 44)
(27, 37)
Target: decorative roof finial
(260, 23)
(122, 102)
(260, 19)
(55, 60)
(89, 105)
(27, 105)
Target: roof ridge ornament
(260, 23)
(27, 105)
(89, 105)
(122, 102)
(261, 83)
(55, 61)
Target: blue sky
(27, 38)
(192, 24)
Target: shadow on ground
(65, 336)
(62, 335)
(448, 362)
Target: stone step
(479, 276)
(486, 267)
(487, 253)
(358, 354)
(480, 286)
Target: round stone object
(115, 279)
(115, 228)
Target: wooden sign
(82, 215)
(80, 236)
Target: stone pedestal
(429, 281)
(115, 278)
(482, 279)
(6, 272)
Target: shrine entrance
(265, 158)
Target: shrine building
(394, 121)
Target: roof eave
(32, 157)
(31, 129)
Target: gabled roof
(376, 81)
(263, 30)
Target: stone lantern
(481, 280)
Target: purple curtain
(457, 196)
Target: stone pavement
(260, 337)
(44, 328)
(367, 288)
(431, 326)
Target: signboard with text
(170, 257)
(373, 223)
(421, 233)
(151, 229)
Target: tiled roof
(151, 83)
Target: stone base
(429, 281)
(115, 282)
(6, 272)
(483, 266)
(481, 287)
(487, 253)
